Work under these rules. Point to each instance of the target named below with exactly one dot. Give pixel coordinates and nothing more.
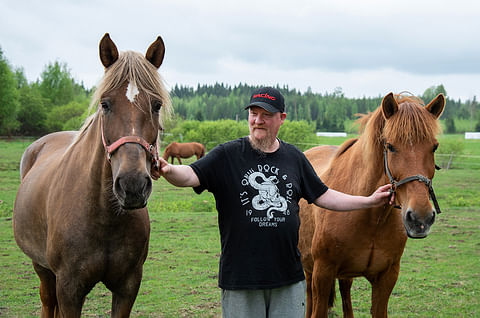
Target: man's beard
(262, 145)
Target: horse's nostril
(147, 187)
(432, 219)
(118, 187)
(409, 216)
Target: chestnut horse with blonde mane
(80, 212)
(184, 150)
(397, 143)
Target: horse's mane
(411, 124)
(137, 70)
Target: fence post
(450, 161)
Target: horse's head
(130, 98)
(409, 138)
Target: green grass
(439, 275)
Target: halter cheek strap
(419, 177)
(152, 149)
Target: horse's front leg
(323, 281)
(382, 286)
(308, 279)
(48, 294)
(345, 287)
(124, 294)
(71, 292)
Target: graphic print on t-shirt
(267, 207)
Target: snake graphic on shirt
(268, 195)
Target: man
(257, 182)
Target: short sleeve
(207, 170)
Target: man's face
(264, 125)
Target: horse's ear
(389, 105)
(437, 105)
(156, 52)
(108, 51)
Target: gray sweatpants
(287, 301)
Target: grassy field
(439, 275)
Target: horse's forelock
(412, 123)
(137, 70)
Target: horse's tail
(203, 151)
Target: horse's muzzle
(417, 227)
(132, 191)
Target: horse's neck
(89, 157)
(371, 161)
(359, 170)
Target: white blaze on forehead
(132, 92)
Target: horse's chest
(100, 248)
(360, 250)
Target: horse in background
(183, 150)
(398, 142)
(80, 212)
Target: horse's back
(320, 157)
(45, 147)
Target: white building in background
(331, 134)
(471, 135)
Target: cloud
(363, 46)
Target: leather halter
(419, 177)
(152, 149)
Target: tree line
(56, 101)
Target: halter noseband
(419, 177)
(152, 149)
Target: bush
(299, 133)
(209, 133)
(212, 133)
(447, 150)
(69, 116)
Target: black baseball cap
(269, 99)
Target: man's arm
(339, 201)
(178, 175)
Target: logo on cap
(267, 98)
(265, 95)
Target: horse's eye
(435, 147)
(106, 105)
(391, 148)
(156, 106)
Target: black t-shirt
(257, 202)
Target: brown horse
(80, 212)
(398, 140)
(184, 150)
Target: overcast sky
(368, 47)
